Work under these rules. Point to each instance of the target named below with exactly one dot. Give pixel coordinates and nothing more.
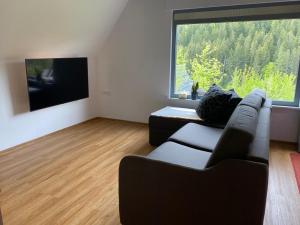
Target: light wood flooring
(71, 177)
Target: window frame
(175, 23)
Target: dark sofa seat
(177, 154)
(198, 136)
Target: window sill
(286, 107)
(180, 99)
(190, 101)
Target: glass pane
(240, 55)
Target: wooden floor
(71, 177)
(283, 204)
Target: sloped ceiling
(44, 28)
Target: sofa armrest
(153, 192)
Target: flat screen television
(56, 81)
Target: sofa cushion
(213, 104)
(252, 100)
(180, 155)
(260, 93)
(237, 135)
(259, 148)
(198, 136)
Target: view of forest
(240, 55)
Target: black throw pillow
(213, 105)
(233, 102)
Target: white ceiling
(44, 28)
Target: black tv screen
(56, 81)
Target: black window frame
(231, 19)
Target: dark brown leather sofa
(202, 175)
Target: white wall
(48, 28)
(134, 65)
(39, 28)
(18, 125)
(285, 124)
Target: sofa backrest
(237, 135)
(253, 100)
(246, 135)
(260, 93)
(259, 148)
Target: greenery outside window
(240, 47)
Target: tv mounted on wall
(56, 81)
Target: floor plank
(70, 177)
(283, 204)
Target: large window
(238, 47)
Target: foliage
(205, 70)
(180, 58)
(240, 55)
(180, 70)
(278, 85)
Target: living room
(61, 153)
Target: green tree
(180, 56)
(206, 70)
(278, 85)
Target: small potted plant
(194, 92)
